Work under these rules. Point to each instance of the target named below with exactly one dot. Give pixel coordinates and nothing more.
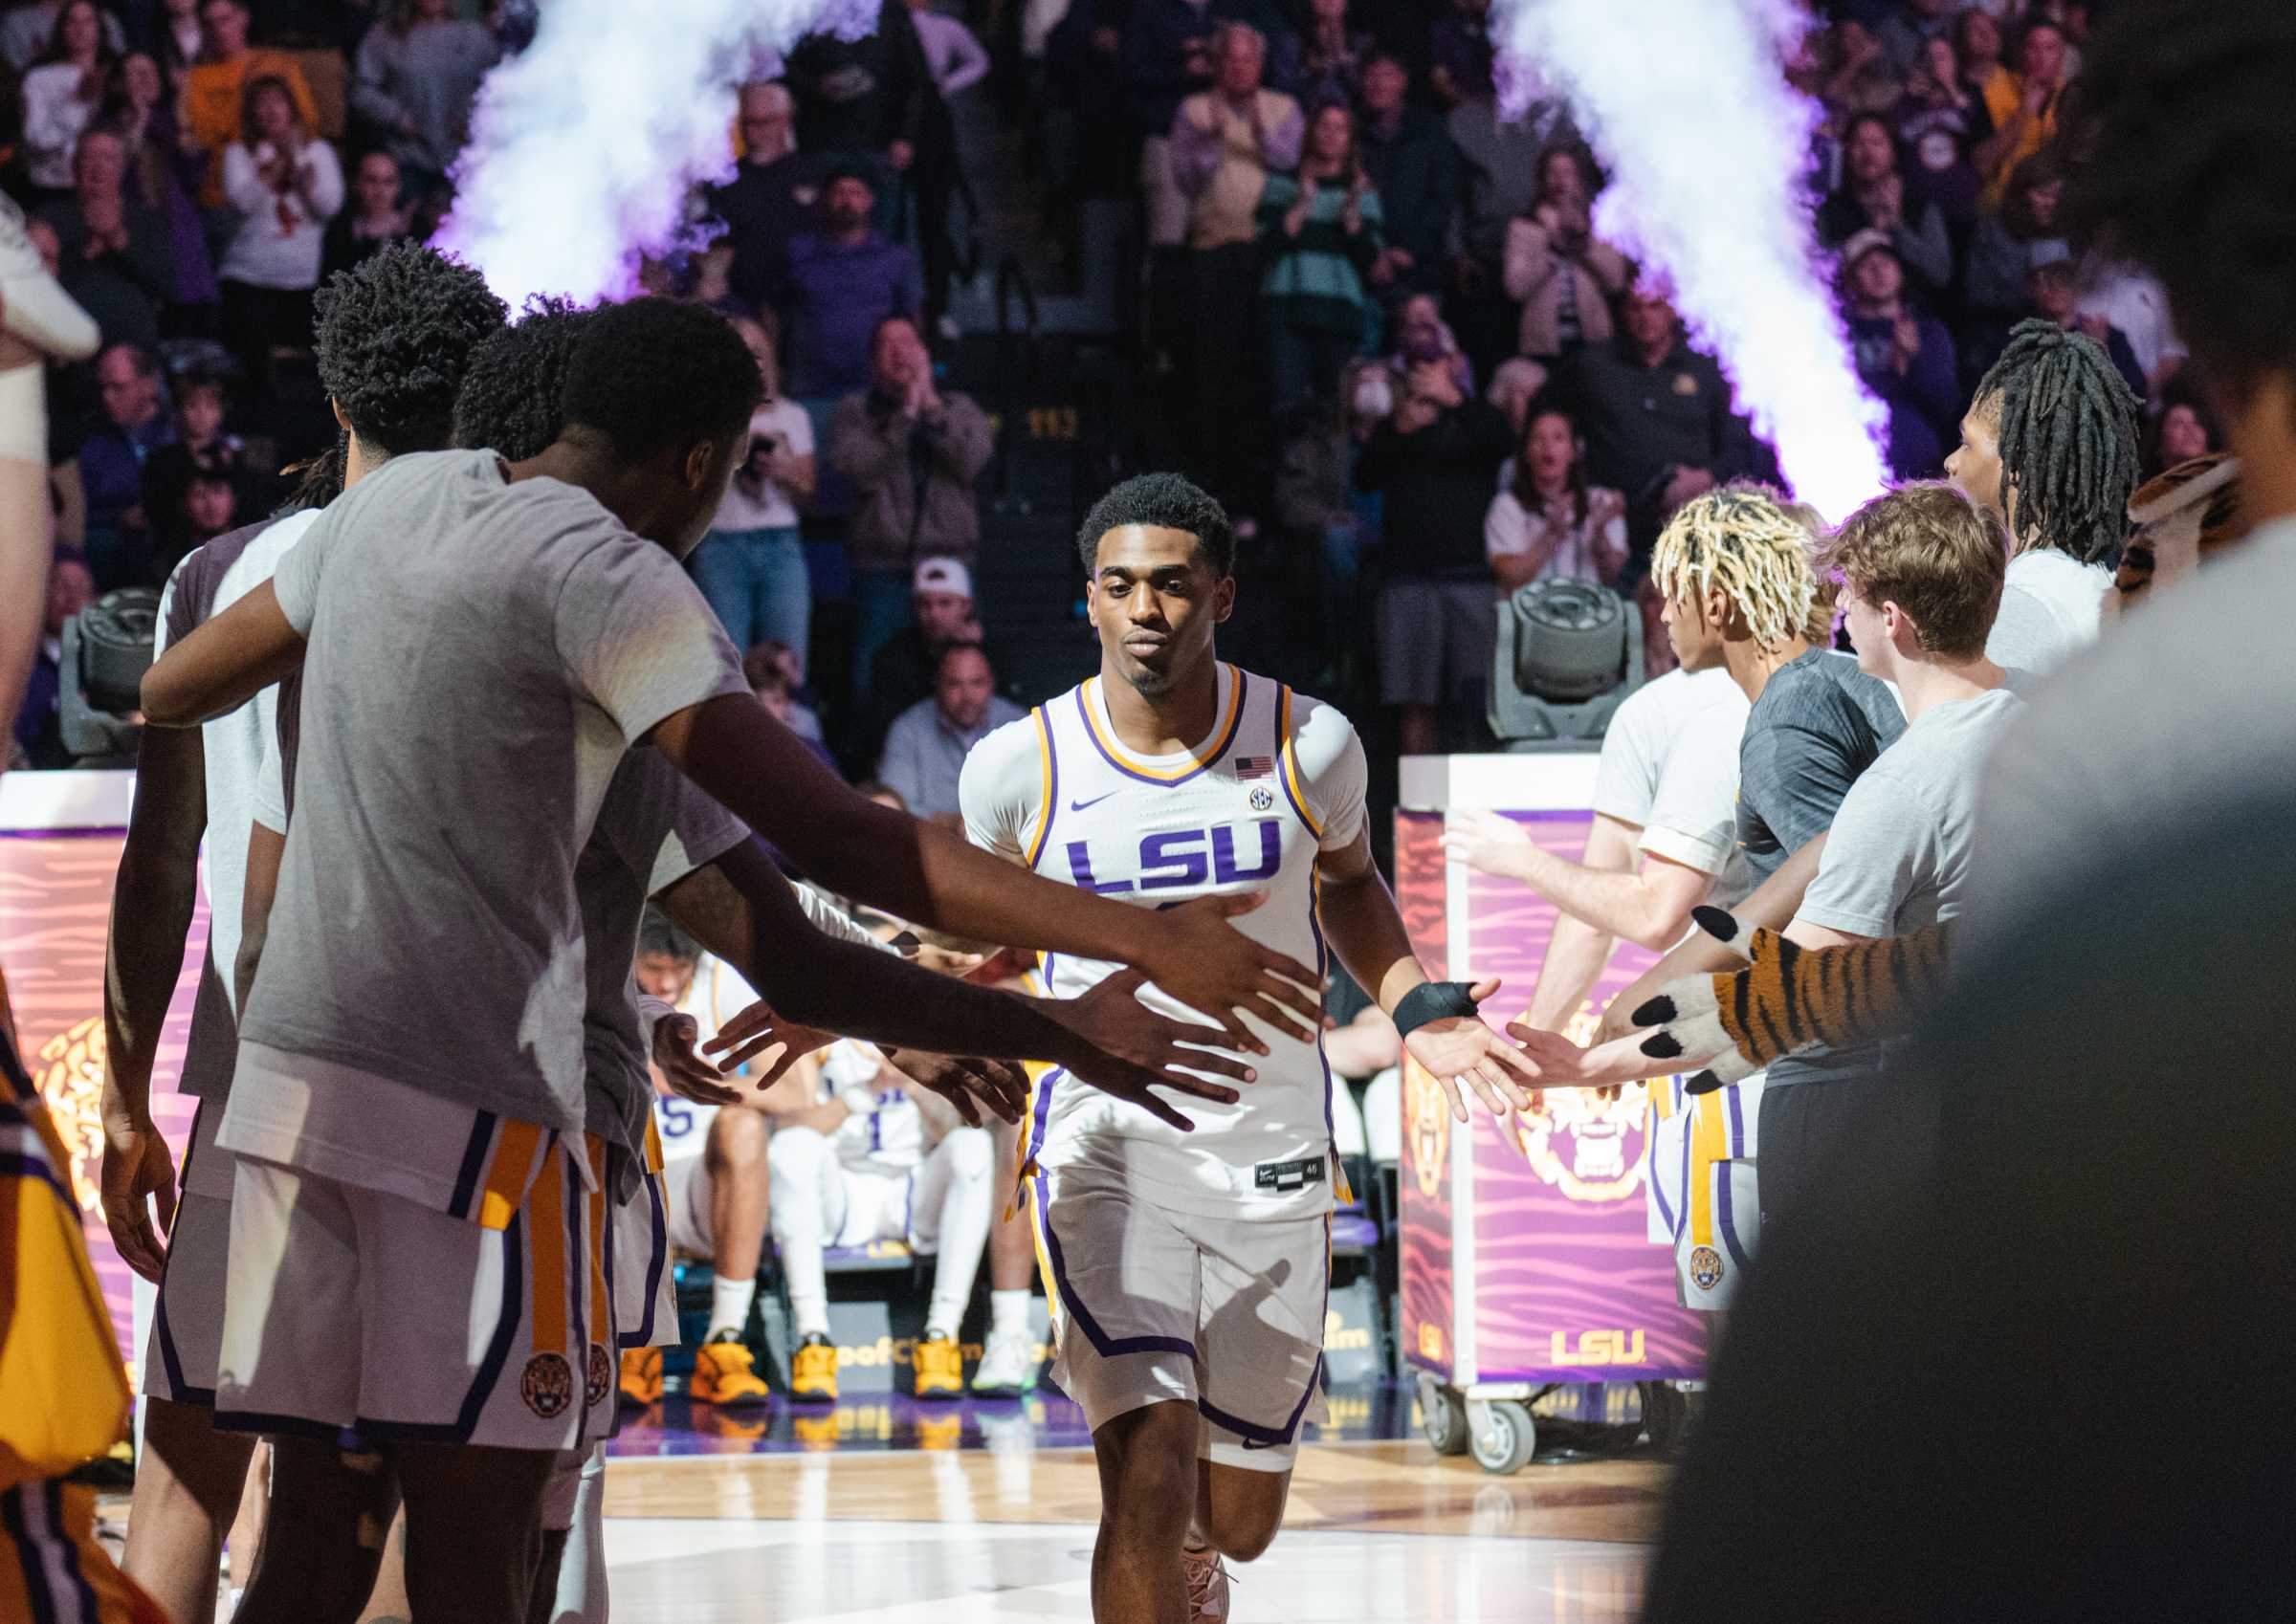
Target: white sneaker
(1007, 1364)
(1206, 1577)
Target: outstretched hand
(1460, 1049)
(759, 1034)
(1125, 1049)
(968, 1083)
(1200, 958)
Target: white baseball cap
(943, 575)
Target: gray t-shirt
(1819, 723)
(653, 829)
(2183, 711)
(1898, 857)
(482, 653)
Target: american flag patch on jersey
(1249, 767)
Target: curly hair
(513, 398)
(2187, 169)
(1167, 501)
(2069, 440)
(656, 375)
(1746, 543)
(394, 339)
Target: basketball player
(871, 1158)
(1191, 1273)
(393, 344)
(486, 641)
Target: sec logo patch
(547, 1385)
(1262, 798)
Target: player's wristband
(1431, 1000)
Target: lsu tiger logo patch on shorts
(600, 1380)
(547, 1385)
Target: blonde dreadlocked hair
(1744, 542)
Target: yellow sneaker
(726, 1373)
(939, 1368)
(813, 1372)
(641, 1377)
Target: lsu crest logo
(1706, 1269)
(547, 1385)
(601, 1377)
(1427, 1125)
(70, 1076)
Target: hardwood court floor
(1378, 1532)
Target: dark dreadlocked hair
(393, 337)
(2069, 440)
(2185, 166)
(1169, 503)
(512, 400)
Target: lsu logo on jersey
(1225, 854)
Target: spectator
(1563, 276)
(2184, 429)
(866, 99)
(114, 246)
(2025, 107)
(202, 449)
(1422, 337)
(1314, 509)
(1433, 461)
(1984, 75)
(29, 32)
(1411, 161)
(1906, 359)
(111, 467)
(941, 612)
(1459, 53)
(1498, 167)
(926, 746)
(1656, 416)
(752, 566)
(2056, 285)
(1910, 27)
(140, 109)
(38, 725)
(418, 74)
(1168, 56)
(1858, 75)
(1873, 197)
(1997, 288)
(768, 672)
(1226, 142)
(952, 56)
(1332, 55)
(377, 216)
(61, 95)
(911, 456)
(205, 509)
(170, 35)
(841, 284)
(774, 195)
(215, 91)
(286, 185)
(1514, 383)
(1941, 124)
(1546, 522)
(1320, 231)
(2127, 297)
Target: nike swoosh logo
(1255, 1443)
(1080, 806)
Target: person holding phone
(751, 566)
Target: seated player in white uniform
(1189, 1270)
(874, 1158)
(713, 1177)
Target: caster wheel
(1666, 1416)
(1502, 1435)
(1442, 1418)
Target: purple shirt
(838, 293)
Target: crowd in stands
(1368, 307)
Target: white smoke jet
(1687, 104)
(582, 147)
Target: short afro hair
(2184, 166)
(1167, 501)
(657, 375)
(513, 400)
(394, 339)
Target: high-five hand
(1460, 1047)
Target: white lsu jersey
(717, 995)
(1279, 781)
(884, 1133)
